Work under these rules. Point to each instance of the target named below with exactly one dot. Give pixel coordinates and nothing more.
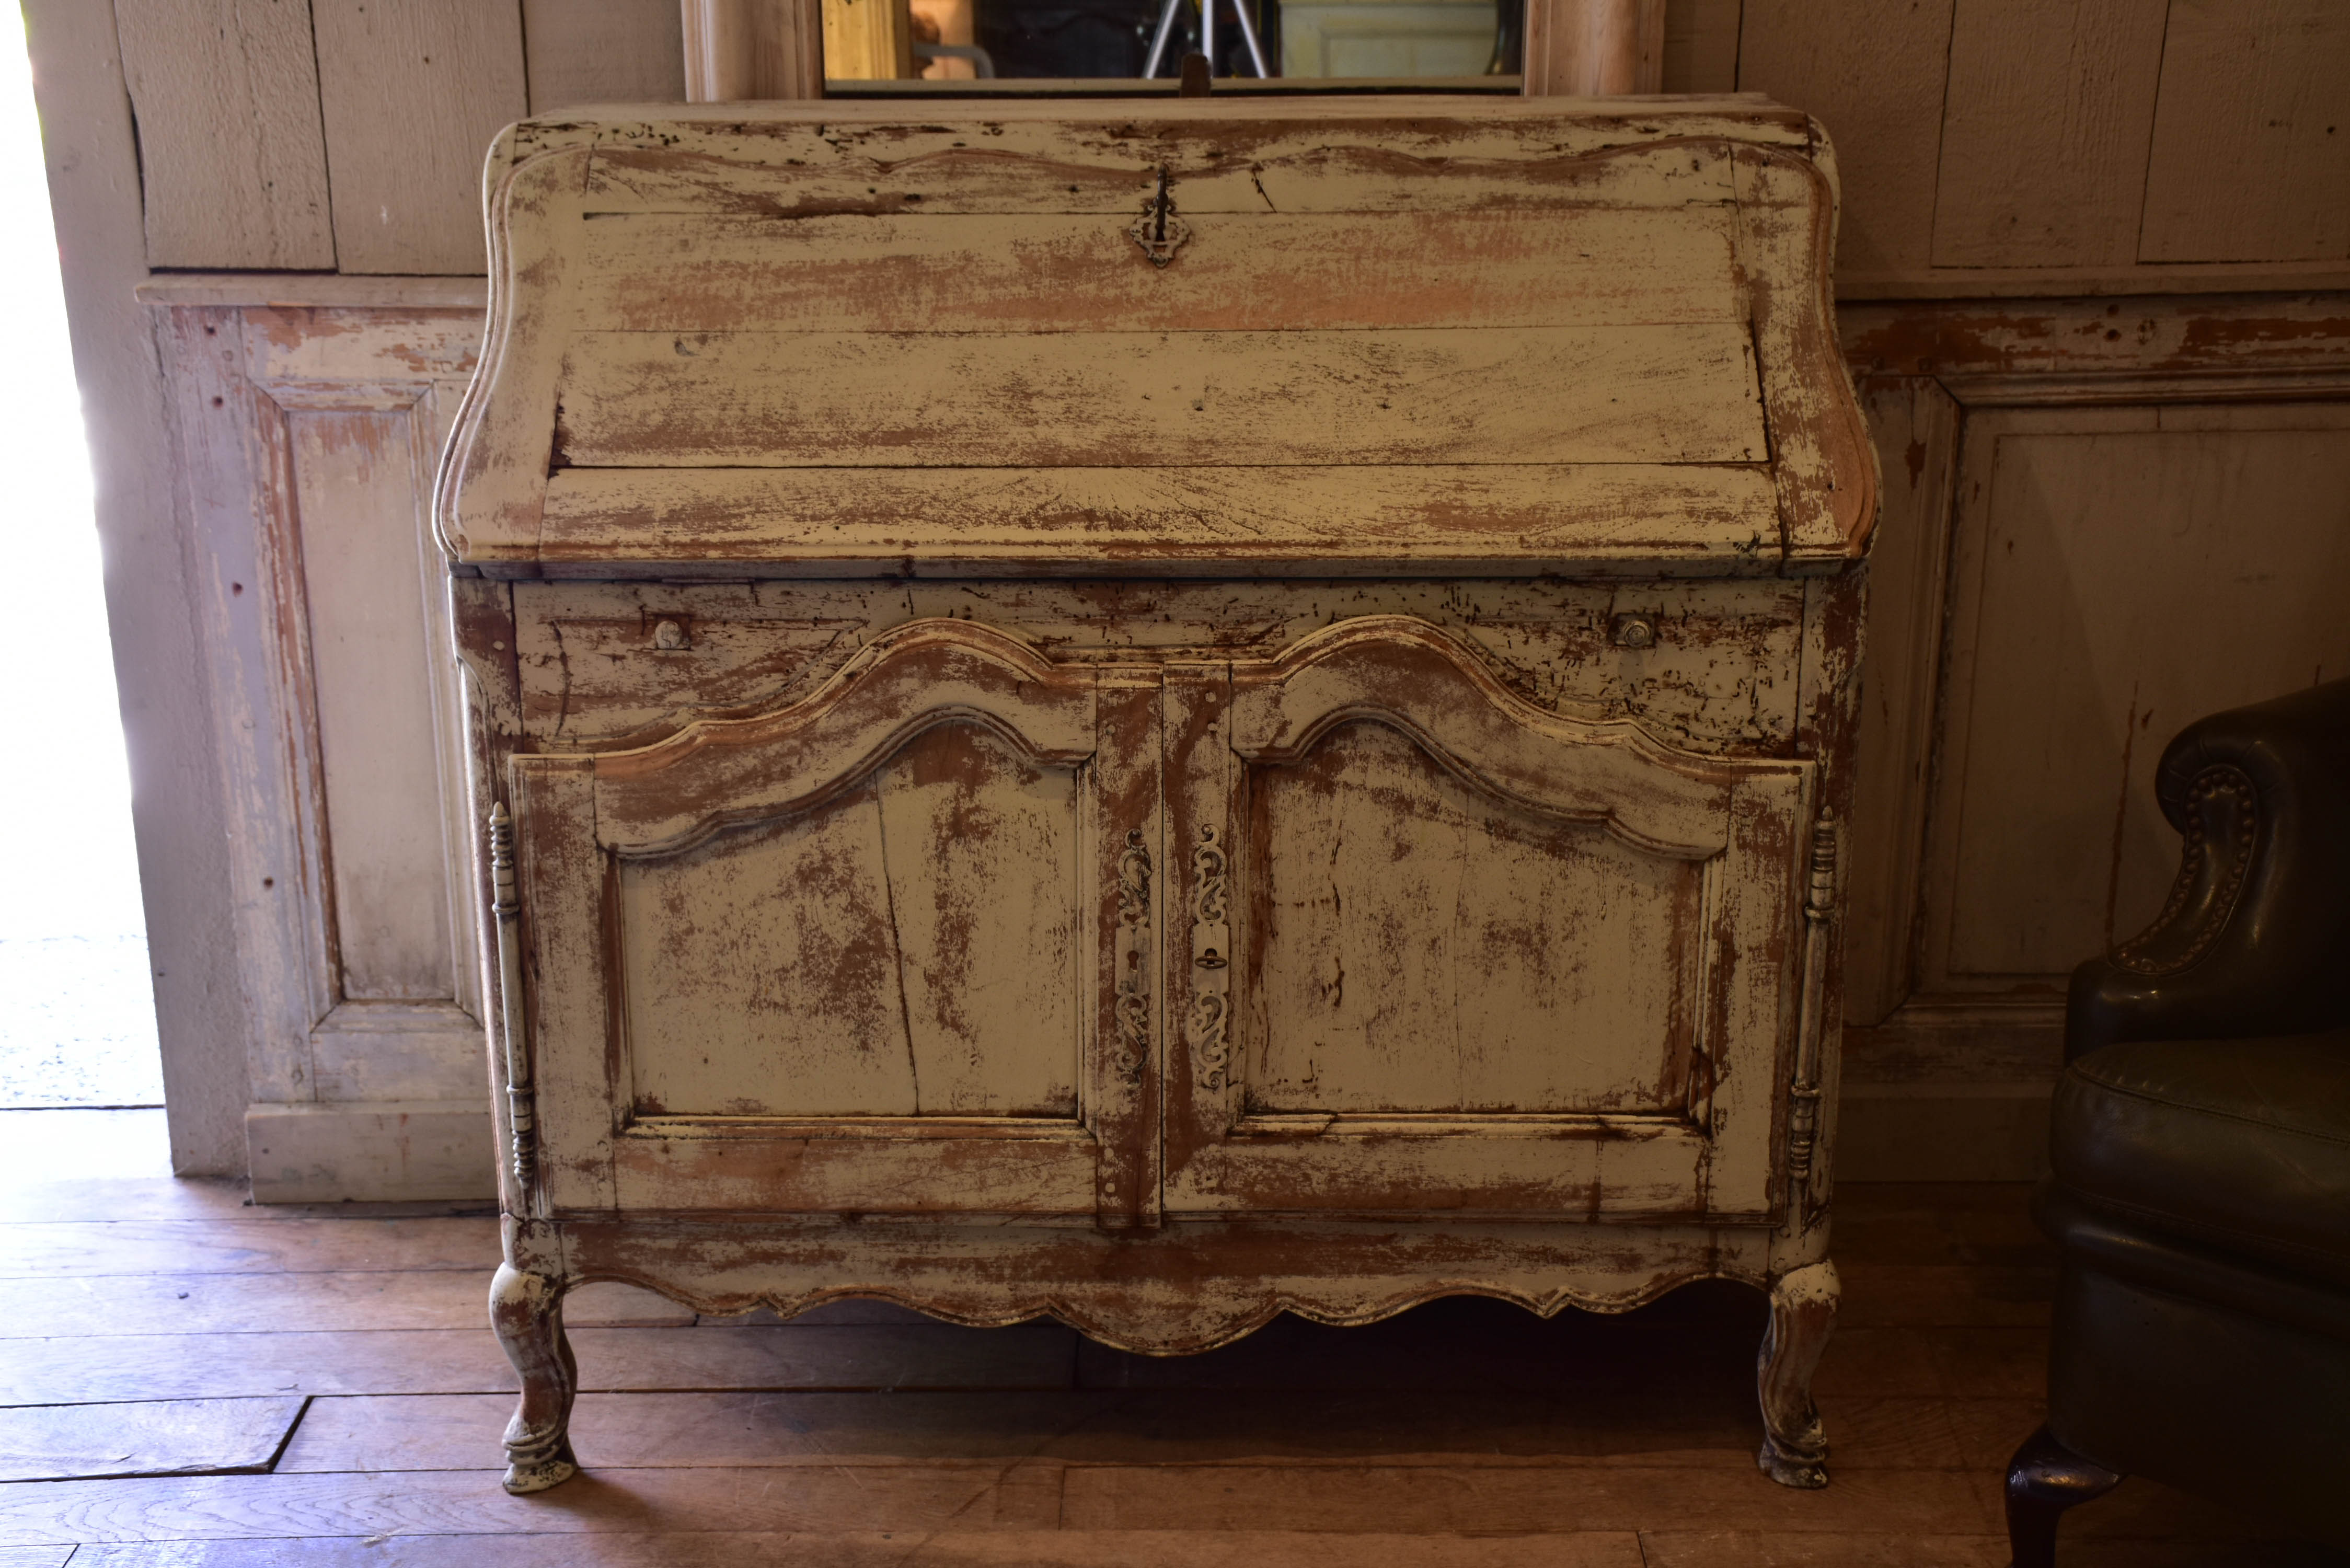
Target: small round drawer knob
(1637, 629)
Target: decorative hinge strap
(1134, 958)
(1819, 912)
(1211, 950)
(506, 904)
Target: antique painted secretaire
(1160, 711)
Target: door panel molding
(261, 398)
(1735, 821)
(1944, 384)
(586, 824)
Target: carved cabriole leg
(1802, 1312)
(526, 1309)
(2043, 1479)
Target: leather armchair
(2200, 1145)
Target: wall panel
(1701, 46)
(413, 92)
(2119, 572)
(1915, 423)
(361, 515)
(2103, 519)
(233, 159)
(2251, 134)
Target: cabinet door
(869, 952)
(1448, 950)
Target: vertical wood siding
(232, 154)
(413, 92)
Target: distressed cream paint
(1048, 753)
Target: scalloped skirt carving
(1190, 1287)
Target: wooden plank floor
(232, 1386)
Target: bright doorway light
(77, 1005)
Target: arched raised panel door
(881, 952)
(1448, 950)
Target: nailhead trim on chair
(2212, 781)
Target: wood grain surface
(412, 91)
(1463, 1435)
(232, 153)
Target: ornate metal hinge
(1134, 956)
(1158, 230)
(1211, 954)
(506, 904)
(1804, 1096)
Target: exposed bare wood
(278, 1244)
(1874, 76)
(233, 160)
(119, 1367)
(603, 51)
(1467, 1434)
(738, 49)
(1312, 1401)
(1595, 48)
(162, 1437)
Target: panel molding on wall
(2234, 554)
(2029, 149)
(307, 440)
(2118, 571)
(2046, 120)
(603, 51)
(414, 92)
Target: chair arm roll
(2254, 937)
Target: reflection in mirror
(1401, 41)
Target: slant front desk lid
(1418, 334)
